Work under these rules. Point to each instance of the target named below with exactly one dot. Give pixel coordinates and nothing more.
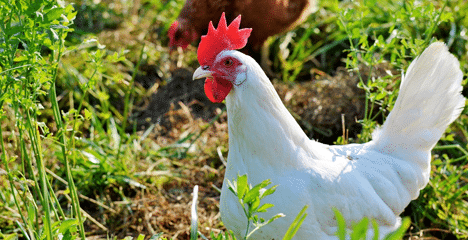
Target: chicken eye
(228, 62)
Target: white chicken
(377, 179)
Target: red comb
(223, 38)
(171, 33)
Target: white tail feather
(429, 100)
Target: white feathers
(377, 179)
(429, 99)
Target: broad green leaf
(268, 191)
(254, 205)
(14, 30)
(242, 186)
(380, 95)
(53, 14)
(68, 225)
(264, 207)
(255, 191)
(252, 194)
(265, 183)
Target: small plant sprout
(249, 198)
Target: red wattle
(217, 89)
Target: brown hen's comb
(171, 33)
(224, 38)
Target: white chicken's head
(227, 71)
(219, 63)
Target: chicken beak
(201, 73)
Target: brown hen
(267, 17)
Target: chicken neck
(262, 132)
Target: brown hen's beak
(201, 73)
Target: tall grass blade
(194, 220)
(296, 224)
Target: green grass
(74, 164)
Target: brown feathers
(265, 17)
